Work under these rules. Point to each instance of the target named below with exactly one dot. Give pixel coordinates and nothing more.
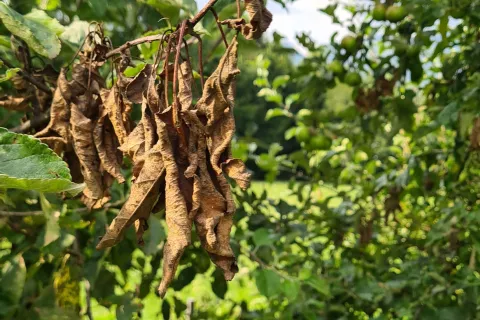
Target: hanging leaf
(26, 163)
(37, 35)
(260, 19)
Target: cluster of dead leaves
(183, 166)
(180, 149)
(369, 99)
(87, 125)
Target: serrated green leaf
(26, 163)
(38, 36)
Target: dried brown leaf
(216, 104)
(236, 169)
(82, 132)
(136, 88)
(176, 212)
(118, 112)
(143, 196)
(260, 19)
(59, 111)
(185, 81)
(475, 135)
(106, 145)
(15, 103)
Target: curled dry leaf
(176, 213)
(117, 108)
(143, 196)
(82, 133)
(260, 19)
(15, 103)
(106, 144)
(59, 111)
(216, 105)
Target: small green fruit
(319, 142)
(349, 43)
(353, 79)
(302, 134)
(395, 13)
(336, 67)
(379, 12)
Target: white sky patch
(302, 16)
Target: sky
(302, 16)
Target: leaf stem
(190, 25)
(29, 78)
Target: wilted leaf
(260, 19)
(143, 196)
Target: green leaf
(154, 236)
(45, 20)
(448, 114)
(219, 285)
(280, 81)
(268, 282)
(262, 237)
(75, 33)
(12, 281)
(171, 8)
(9, 74)
(52, 228)
(133, 71)
(184, 278)
(26, 163)
(48, 4)
(319, 284)
(291, 289)
(36, 34)
(277, 112)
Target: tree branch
(35, 123)
(29, 78)
(190, 24)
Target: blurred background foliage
(365, 156)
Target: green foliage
(26, 163)
(36, 29)
(376, 216)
